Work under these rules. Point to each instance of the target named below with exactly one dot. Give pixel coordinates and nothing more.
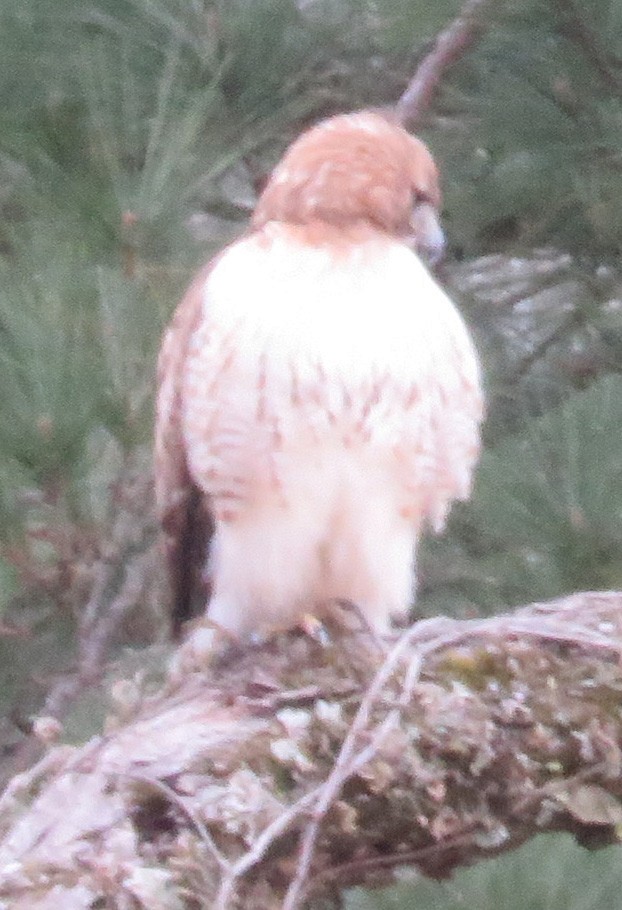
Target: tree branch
(287, 772)
(450, 46)
(118, 581)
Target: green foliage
(126, 122)
(548, 873)
(546, 516)
(537, 111)
(124, 125)
(552, 498)
(65, 366)
(49, 374)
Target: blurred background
(134, 135)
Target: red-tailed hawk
(319, 395)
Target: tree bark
(287, 772)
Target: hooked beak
(427, 235)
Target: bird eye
(422, 197)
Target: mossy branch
(288, 772)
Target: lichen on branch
(288, 772)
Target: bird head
(358, 170)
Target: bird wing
(182, 510)
(455, 411)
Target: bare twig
(93, 648)
(347, 762)
(502, 710)
(93, 653)
(323, 797)
(327, 795)
(116, 588)
(265, 840)
(356, 869)
(450, 46)
(21, 783)
(184, 805)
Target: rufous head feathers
(357, 170)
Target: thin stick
(342, 768)
(177, 800)
(267, 837)
(346, 762)
(450, 46)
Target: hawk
(319, 395)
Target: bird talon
(315, 629)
